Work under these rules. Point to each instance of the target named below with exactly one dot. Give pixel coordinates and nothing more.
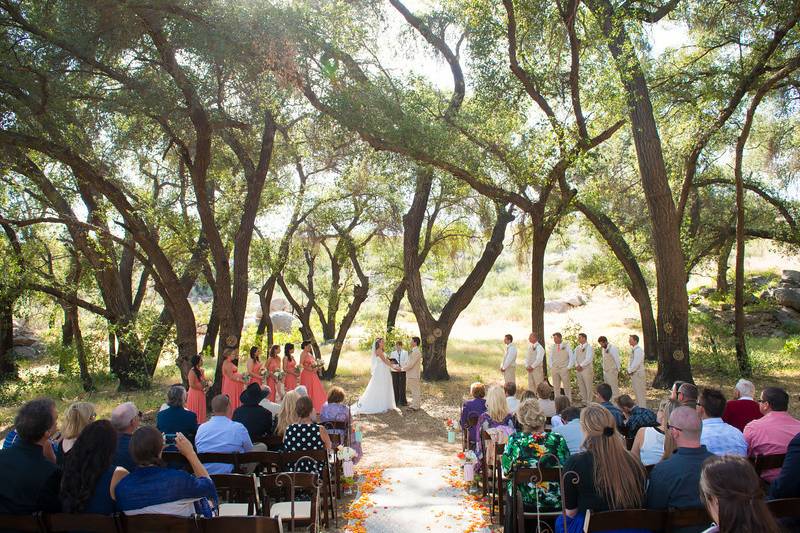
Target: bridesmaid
(196, 402)
(273, 365)
(232, 380)
(254, 366)
(309, 377)
(290, 367)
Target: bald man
(674, 482)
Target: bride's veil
(374, 360)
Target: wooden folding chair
(466, 431)
(523, 476)
(238, 494)
(320, 456)
(785, 508)
(274, 443)
(158, 523)
(240, 524)
(497, 472)
(94, 523)
(279, 494)
(26, 523)
(337, 444)
(629, 518)
(678, 518)
(487, 480)
(767, 462)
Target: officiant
(399, 357)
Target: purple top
(475, 405)
(334, 412)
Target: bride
(379, 395)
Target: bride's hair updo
(377, 343)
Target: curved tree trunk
(434, 351)
(722, 266)
(538, 248)
(394, 305)
(80, 349)
(8, 367)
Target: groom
(412, 368)
(399, 357)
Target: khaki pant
(535, 377)
(612, 378)
(639, 386)
(510, 374)
(413, 386)
(561, 378)
(585, 384)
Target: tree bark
(722, 266)
(394, 305)
(8, 367)
(434, 351)
(73, 317)
(538, 247)
(673, 302)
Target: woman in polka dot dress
(306, 435)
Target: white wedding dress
(379, 394)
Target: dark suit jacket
(787, 484)
(177, 420)
(30, 482)
(256, 419)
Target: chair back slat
(523, 476)
(677, 518)
(158, 523)
(28, 523)
(785, 508)
(95, 523)
(286, 485)
(238, 488)
(240, 524)
(629, 518)
(273, 442)
(767, 462)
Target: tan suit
(584, 354)
(510, 364)
(638, 376)
(561, 360)
(534, 359)
(611, 366)
(412, 370)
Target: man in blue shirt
(720, 438)
(571, 429)
(674, 482)
(125, 418)
(222, 435)
(603, 396)
(176, 418)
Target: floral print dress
(529, 450)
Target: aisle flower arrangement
(452, 427)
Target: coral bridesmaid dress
(196, 402)
(233, 388)
(310, 379)
(255, 374)
(290, 381)
(273, 365)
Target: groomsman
(411, 369)
(509, 366)
(584, 354)
(560, 360)
(611, 365)
(636, 371)
(534, 362)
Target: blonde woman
(287, 415)
(654, 444)
(77, 416)
(605, 477)
(497, 413)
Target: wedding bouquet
(346, 453)
(279, 375)
(468, 457)
(318, 364)
(264, 372)
(451, 425)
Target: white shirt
(535, 356)
(611, 350)
(564, 346)
(636, 362)
(511, 357)
(401, 356)
(587, 356)
(512, 403)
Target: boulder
(758, 280)
(24, 340)
(576, 300)
(282, 321)
(24, 352)
(788, 318)
(556, 307)
(788, 297)
(278, 304)
(705, 292)
(791, 277)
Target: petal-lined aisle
(414, 499)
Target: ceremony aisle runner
(415, 499)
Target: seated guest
(603, 396)
(743, 409)
(476, 406)
(511, 397)
(635, 417)
(335, 410)
(497, 413)
(126, 419)
(531, 448)
(545, 394)
(176, 418)
(305, 435)
(222, 435)
(771, 434)
(606, 477)
(288, 413)
(733, 497)
(30, 476)
(528, 395)
(90, 476)
(720, 438)
(256, 419)
(674, 481)
(154, 489)
(77, 416)
(272, 407)
(787, 484)
(562, 402)
(687, 395)
(571, 428)
(654, 444)
(673, 393)
(301, 390)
